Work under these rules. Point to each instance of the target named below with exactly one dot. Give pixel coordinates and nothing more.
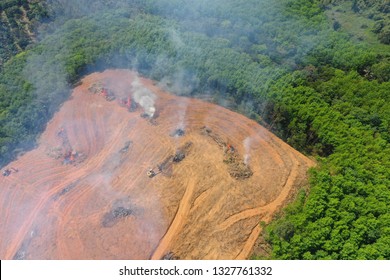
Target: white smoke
(247, 147)
(144, 97)
(182, 111)
(175, 39)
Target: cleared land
(84, 192)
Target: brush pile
(98, 88)
(177, 133)
(236, 166)
(182, 152)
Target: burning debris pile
(65, 151)
(152, 120)
(141, 97)
(129, 103)
(146, 99)
(98, 88)
(177, 133)
(237, 168)
(112, 217)
(73, 157)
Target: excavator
(6, 172)
(151, 173)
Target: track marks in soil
(177, 222)
(198, 212)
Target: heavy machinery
(151, 173)
(6, 172)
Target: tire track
(178, 221)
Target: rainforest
(316, 73)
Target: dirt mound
(86, 193)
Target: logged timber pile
(105, 184)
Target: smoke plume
(144, 97)
(247, 147)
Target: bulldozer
(151, 173)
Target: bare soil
(107, 207)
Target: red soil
(56, 211)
